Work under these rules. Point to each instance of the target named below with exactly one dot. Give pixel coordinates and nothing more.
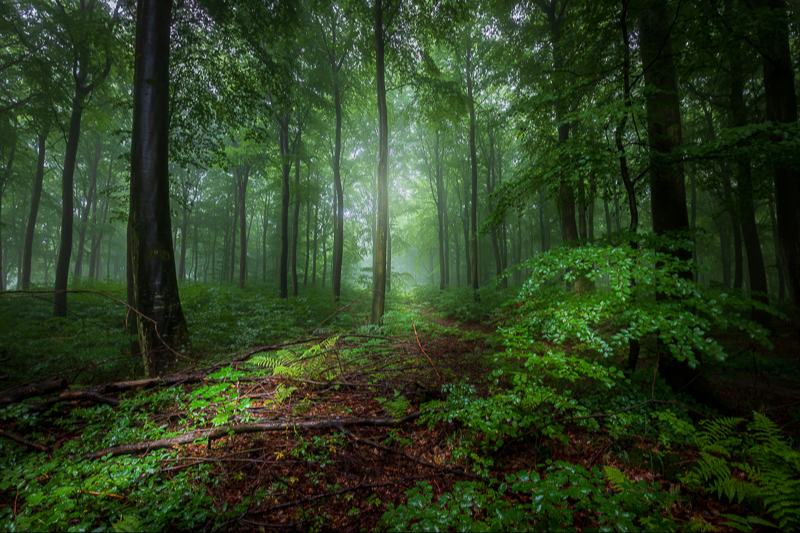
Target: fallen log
(23, 441)
(71, 395)
(278, 425)
(147, 383)
(37, 389)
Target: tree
(667, 182)
(161, 325)
(379, 274)
(82, 30)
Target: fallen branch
(23, 441)
(237, 429)
(423, 462)
(74, 395)
(37, 389)
(175, 379)
(423, 351)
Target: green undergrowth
(555, 377)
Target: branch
(24, 442)
(237, 429)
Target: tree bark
(86, 210)
(308, 241)
(379, 275)
(242, 177)
(36, 197)
(316, 230)
(267, 201)
(473, 237)
(152, 251)
(667, 182)
(286, 167)
(295, 224)
(778, 265)
(781, 104)
(338, 196)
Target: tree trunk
(473, 237)
(36, 197)
(667, 185)
(778, 265)
(67, 214)
(242, 177)
(389, 260)
(379, 276)
(85, 211)
(264, 237)
(152, 251)
(286, 167)
(738, 263)
(324, 252)
(316, 228)
(781, 104)
(440, 208)
(295, 224)
(746, 208)
(308, 242)
(338, 199)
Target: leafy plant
(527, 502)
(755, 464)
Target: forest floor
(336, 437)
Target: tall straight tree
(36, 196)
(85, 78)
(667, 180)
(781, 103)
(161, 327)
(379, 274)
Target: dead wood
(37, 389)
(23, 441)
(74, 395)
(236, 429)
(175, 379)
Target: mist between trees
(388, 144)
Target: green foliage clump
(754, 465)
(291, 365)
(606, 316)
(565, 492)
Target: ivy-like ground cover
(511, 415)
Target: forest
(430, 265)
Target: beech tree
(160, 322)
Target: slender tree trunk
(746, 208)
(3, 182)
(36, 197)
(283, 265)
(473, 237)
(738, 262)
(379, 276)
(781, 105)
(152, 251)
(308, 242)
(324, 252)
(67, 214)
(232, 256)
(440, 207)
(242, 178)
(338, 199)
(389, 260)
(490, 180)
(457, 252)
(85, 211)
(725, 253)
(316, 228)
(544, 227)
(295, 224)
(778, 265)
(267, 200)
(196, 252)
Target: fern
(771, 468)
(288, 364)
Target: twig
(423, 351)
(337, 312)
(23, 441)
(411, 457)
